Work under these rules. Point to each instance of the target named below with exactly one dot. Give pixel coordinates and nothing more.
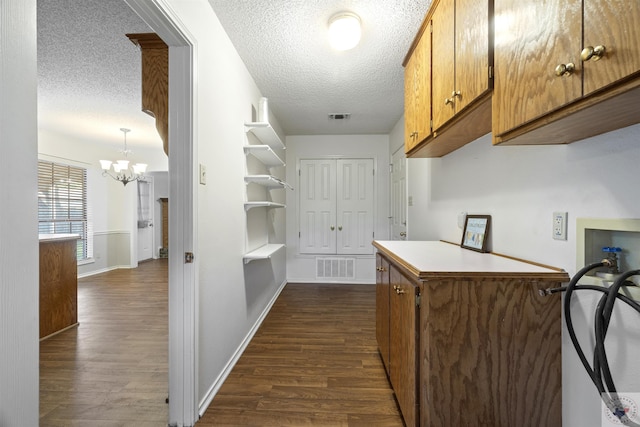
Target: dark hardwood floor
(112, 369)
(313, 362)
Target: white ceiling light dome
(344, 30)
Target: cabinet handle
(448, 101)
(332, 228)
(591, 53)
(414, 134)
(564, 70)
(399, 290)
(403, 234)
(456, 93)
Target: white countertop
(57, 237)
(429, 258)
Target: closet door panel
(317, 206)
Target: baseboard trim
(217, 384)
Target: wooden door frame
(183, 379)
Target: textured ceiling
(285, 47)
(89, 71)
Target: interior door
(317, 206)
(398, 208)
(354, 206)
(145, 219)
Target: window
(62, 203)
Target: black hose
(600, 373)
(567, 318)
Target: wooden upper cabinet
(443, 42)
(417, 93)
(474, 53)
(545, 93)
(528, 51)
(461, 55)
(614, 24)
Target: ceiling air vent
(339, 116)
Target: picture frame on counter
(475, 234)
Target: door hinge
(418, 300)
(490, 71)
(390, 167)
(188, 257)
(299, 234)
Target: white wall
(521, 187)
(232, 296)
(301, 268)
(19, 327)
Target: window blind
(62, 202)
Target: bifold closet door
(336, 206)
(354, 206)
(317, 206)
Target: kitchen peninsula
(58, 283)
(466, 337)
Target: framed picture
(476, 232)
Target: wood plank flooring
(112, 369)
(313, 362)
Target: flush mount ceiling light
(344, 30)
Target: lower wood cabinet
(475, 344)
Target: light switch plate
(203, 174)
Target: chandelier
(121, 170)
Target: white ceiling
(89, 71)
(285, 47)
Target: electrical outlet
(560, 225)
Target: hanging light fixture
(121, 170)
(344, 30)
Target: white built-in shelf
(266, 181)
(265, 154)
(265, 133)
(262, 204)
(263, 252)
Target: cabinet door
(443, 66)
(317, 206)
(403, 346)
(614, 24)
(472, 50)
(410, 107)
(382, 308)
(418, 92)
(533, 37)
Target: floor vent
(335, 268)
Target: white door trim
(183, 380)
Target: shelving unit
(266, 134)
(262, 204)
(267, 181)
(268, 152)
(263, 252)
(265, 154)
